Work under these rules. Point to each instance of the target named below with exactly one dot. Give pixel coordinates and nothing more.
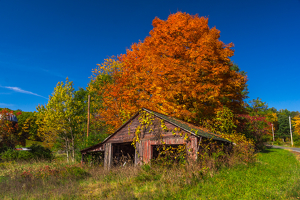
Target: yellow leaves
(296, 124)
(272, 117)
(59, 118)
(186, 137)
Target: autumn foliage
(8, 129)
(256, 128)
(296, 125)
(182, 69)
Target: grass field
(275, 175)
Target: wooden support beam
(82, 159)
(108, 156)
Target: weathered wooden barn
(142, 133)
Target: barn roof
(98, 145)
(194, 130)
(92, 147)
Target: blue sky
(43, 42)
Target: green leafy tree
(102, 76)
(27, 126)
(30, 127)
(97, 130)
(225, 122)
(257, 107)
(61, 118)
(283, 126)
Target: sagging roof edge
(154, 113)
(91, 147)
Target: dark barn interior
(123, 152)
(94, 158)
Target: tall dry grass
(39, 180)
(62, 180)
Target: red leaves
(256, 128)
(8, 128)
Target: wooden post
(291, 131)
(194, 146)
(108, 155)
(273, 133)
(198, 149)
(82, 159)
(88, 117)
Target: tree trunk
(67, 148)
(72, 141)
(73, 148)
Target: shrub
(3, 148)
(278, 141)
(255, 128)
(296, 139)
(10, 154)
(37, 152)
(41, 152)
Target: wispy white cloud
(31, 68)
(53, 73)
(6, 105)
(17, 89)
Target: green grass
(275, 175)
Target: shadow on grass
(267, 150)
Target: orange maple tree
(182, 69)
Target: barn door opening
(123, 154)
